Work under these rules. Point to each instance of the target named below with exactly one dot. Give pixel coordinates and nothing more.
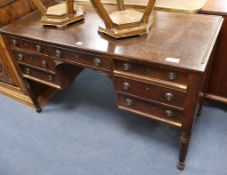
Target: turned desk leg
(190, 106)
(184, 142)
(31, 95)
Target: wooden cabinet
(217, 89)
(10, 82)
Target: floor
(81, 132)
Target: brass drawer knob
(27, 70)
(172, 76)
(147, 88)
(169, 113)
(126, 86)
(148, 70)
(20, 57)
(50, 77)
(129, 101)
(97, 62)
(127, 66)
(38, 48)
(169, 96)
(14, 42)
(58, 53)
(44, 64)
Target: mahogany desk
(159, 75)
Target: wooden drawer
(27, 45)
(40, 76)
(150, 110)
(150, 91)
(72, 56)
(149, 72)
(39, 62)
(81, 58)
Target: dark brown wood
(36, 61)
(148, 72)
(165, 71)
(145, 108)
(218, 80)
(137, 48)
(151, 91)
(190, 105)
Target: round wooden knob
(169, 97)
(169, 113)
(126, 86)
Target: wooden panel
(81, 58)
(175, 76)
(150, 110)
(9, 12)
(217, 89)
(40, 76)
(4, 76)
(17, 9)
(10, 82)
(29, 46)
(36, 61)
(150, 91)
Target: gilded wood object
(124, 22)
(61, 14)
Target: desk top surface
(179, 40)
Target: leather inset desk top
(173, 35)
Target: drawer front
(34, 60)
(38, 75)
(169, 75)
(150, 110)
(76, 57)
(31, 46)
(150, 91)
(81, 58)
